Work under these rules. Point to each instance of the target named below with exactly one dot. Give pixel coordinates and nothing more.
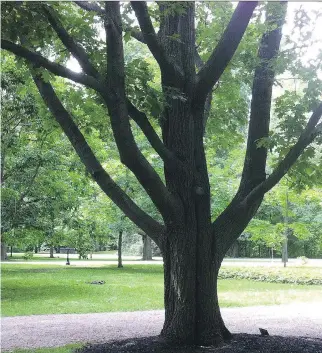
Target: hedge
(272, 275)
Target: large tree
(193, 246)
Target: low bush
(28, 255)
(274, 275)
(303, 260)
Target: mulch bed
(240, 343)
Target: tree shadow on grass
(144, 269)
(32, 270)
(240, 343)
(153, 269)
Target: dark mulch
(240, 343)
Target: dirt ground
(297, 320)
(240, 343)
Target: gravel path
(303, 320)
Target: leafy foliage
(272, 275)
(75, 207)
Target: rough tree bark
(4, 255)
(193, 247)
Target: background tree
(43, 181)
(193, 245)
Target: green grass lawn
(65, 349)
(45, 289)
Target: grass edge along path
(69, 348)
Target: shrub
(293, 276)
(303, 259)
(28, 255)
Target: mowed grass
(45, 289)
(64, 349)
(48, 289)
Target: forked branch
(90, 6)
(224, 51)
(311, 131)
(151, 39)
(117, 104)
(143, 122)
(39, 61)
(72, 46)
(254, 171)
(111, 189)
(59, 70)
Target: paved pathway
(103, 260)
(56, 330)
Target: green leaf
(127, 36)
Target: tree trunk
(284, 248)
(36, 249)
(147, 249)
(285, 251)
(235, 249)
(192, 316)
(119, 250)
(4, 256)
(51, 252)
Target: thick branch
(311, 131)
(39, 61)
(254, 171)
(207, 111)
(224, 51)
(122, 134)
(318, 129)
(229, 225)
(200, 64)
(135, 34)
(136, 115)
(73, 47)
(198, 60)
(141, 11)
(141, 119)
(117, 104)
(312, 124)
(30, 181)
(111, 189)
(234, 219)
(90, 6)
